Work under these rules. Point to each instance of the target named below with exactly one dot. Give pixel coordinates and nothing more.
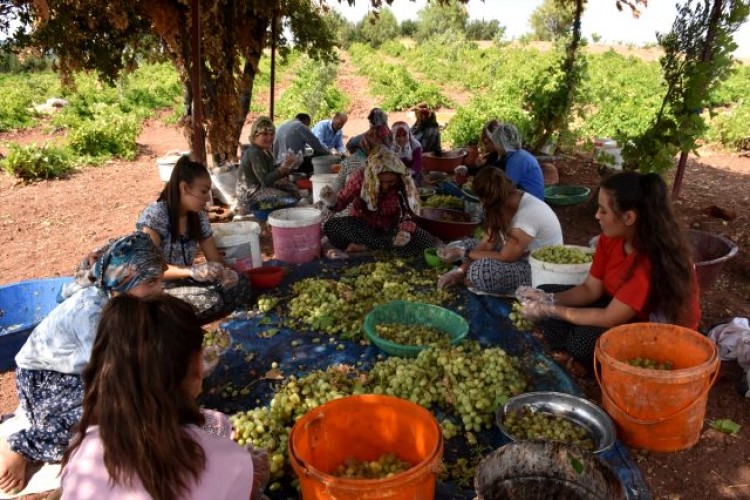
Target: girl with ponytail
(642, 270)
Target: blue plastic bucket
(24, 305)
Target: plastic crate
(413, 313)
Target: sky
(601, 17)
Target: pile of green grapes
(650, 364)
(267, 303)
(339, 306)
(387, 465)
(559, 254)
(467, 382)
(519, 321)
(444, 201)
(526, 424)
(413, 334)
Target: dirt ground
(46, 227)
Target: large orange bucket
(658, 410)
(365, 427)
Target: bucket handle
(659, 420)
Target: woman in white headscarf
(408, 149)
(521, 167)
(382, 200)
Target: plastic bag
(453, 251)
(733, 339)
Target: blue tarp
(252, 355)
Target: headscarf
(406, 151)
(506, 136)
(377, 117)
(121, 264)
(382, 162)
(384, 137)
(260, 125)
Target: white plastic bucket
(296, 234)
(240, 243)
(319, 181)
(323, 164)
(166, 164)
(547, 273)
(607, 152)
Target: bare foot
(356, 248)
(12, 469)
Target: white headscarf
(506, 136)
(405, 152)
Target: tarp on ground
(252, 355)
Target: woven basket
(413, 313)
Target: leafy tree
(437, 18)
(376, 28)
(344, 30)
(697, 58)
(484, 30)
(408, 27)
(552, 19)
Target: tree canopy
(551, 20)
(436, 18)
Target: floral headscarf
(121, 264)
(386, 161)
(411, 143)
(506, 136)
(260, 125)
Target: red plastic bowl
(444, 163)
(447, 224)
(265, 277)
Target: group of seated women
(117, 365)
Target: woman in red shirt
(642, 270)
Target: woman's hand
(208, 271)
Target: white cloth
(733, 340)
(536, 218)
(62, 342)
(228, 473)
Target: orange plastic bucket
(365, 427)
(658, 410)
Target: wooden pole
(273, 63)
(199, 135)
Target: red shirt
(613, 267)
(388, 212)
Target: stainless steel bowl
(577, 410)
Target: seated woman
(521, 167)
(490, 158)
(426, 130)
(140, 434)
(376, 118)
(515, 223)
(408, 149)
(373, 140)
(49, 365)
(642, 271)
(259, 179)
(178, 225)
(383, 201)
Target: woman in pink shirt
(140, 436)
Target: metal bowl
(577, 410)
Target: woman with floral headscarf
(259, 179)
(49, 365)
(382, 200)
(521, 167)
(373, 140)
(426, 129)
(408, 149)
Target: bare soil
(46, 227)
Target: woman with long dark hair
(140, 435)
(642, 270)
(515, 223)
(178, 224)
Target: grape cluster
(387, 465)
(526, 424)
(420, 335)
(215, 343)
(467, 382)
(267, 303)
(559, 254)
(338, 306)
(650, 364)
(444, 201)
(519, 321)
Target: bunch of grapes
(267, 303)
(526, 424)
(560, 254)
(519, 321)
